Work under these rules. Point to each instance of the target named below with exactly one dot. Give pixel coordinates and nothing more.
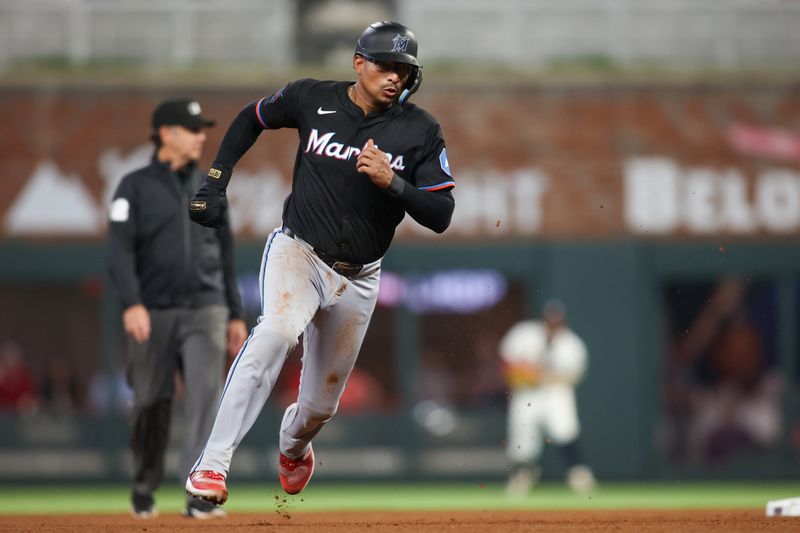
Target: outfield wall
(605, 160)
(615, 294)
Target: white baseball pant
(549, 410)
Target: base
(785, 507)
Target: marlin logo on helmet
(400, 43)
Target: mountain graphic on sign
(52, 203)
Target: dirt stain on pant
(341, 289)
(344, 343)
(284, 301)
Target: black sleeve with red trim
(273, 112)
(428, 200)
(241, 134)
(280, 109)
(432, 209)
(432, 172)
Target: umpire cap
(388, 41)
(180, 112)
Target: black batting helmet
(391, 41)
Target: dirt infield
(477, 521)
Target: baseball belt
(343, 268)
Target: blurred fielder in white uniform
(543, 362)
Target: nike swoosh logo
(321, 111)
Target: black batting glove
(208, 205)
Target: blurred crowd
(58, 389)
(722, 388)
(722, 383)
(473, 382)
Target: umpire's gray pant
(192, 340)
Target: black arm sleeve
(122, 267)
(432, 209)
(232, 296)
(241, 134)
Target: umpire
(181, 304)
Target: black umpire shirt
(332, 206)
(156, 255)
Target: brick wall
(530, 161)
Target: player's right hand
(208, 205)
(374, 163)
(136, 320)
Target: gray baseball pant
(194, 341)
(299, 294)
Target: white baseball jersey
(564, 355)
(548, 408)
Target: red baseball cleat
(207, 485)
(295, 473)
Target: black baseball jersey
(332, 206)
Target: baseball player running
(366, 157)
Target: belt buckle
(347, 270)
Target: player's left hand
(375, 164)
(208, 205)
(237, 333)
